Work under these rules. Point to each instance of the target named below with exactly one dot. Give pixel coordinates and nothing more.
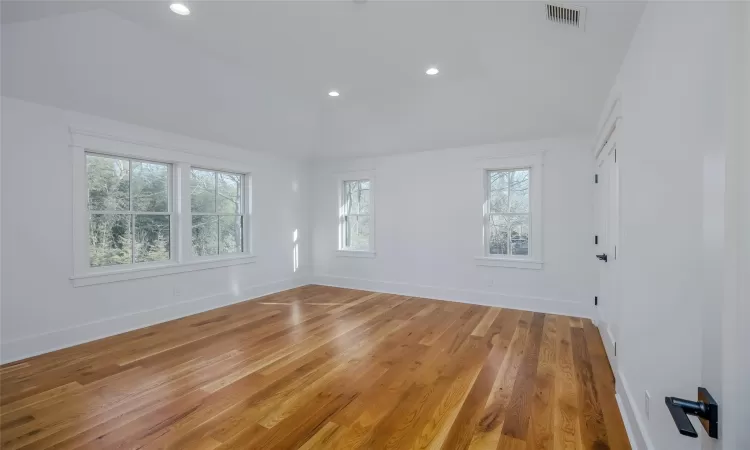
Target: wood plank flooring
(323, 368)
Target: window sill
(509, 262)
(355, 254)
(134, 273)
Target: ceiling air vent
(574, 16)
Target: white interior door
(607, 240)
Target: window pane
(351, 197)
(110, 239)
(364, 197)
(519, 190)
(519, 235)
(150, 185)
(230, 193)
(498, 181)
(498, 239)
(151, 238)
(230, 234)
(202, 191)
(109, 183)
(205, 235)
(357, 232)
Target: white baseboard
(56, 340)
(631, 416)
(626, 422)
(635, 424)
(536, 304)
(609, 342)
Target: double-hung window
(356, 216)
(129, 210)
(508, 217)
(512, 212)
(143, 211)
(217, 206)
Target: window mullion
(184, 231)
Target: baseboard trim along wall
(626, 422)
(43, 343)
(477, 297)
(55, 340)
(631, 416)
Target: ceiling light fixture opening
(333, 94)
(432, 71)
(179, 8)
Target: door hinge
(596, 178)
(615, 348)
(596, 239)
(615, 155)
(596, 300)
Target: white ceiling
(256, 74)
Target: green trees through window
(129, 210)
(216, 204)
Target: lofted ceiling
(256, 74)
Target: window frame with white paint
(533, 215)
(344, 215)
(179, 163)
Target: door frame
(608, 238)
(607, 132)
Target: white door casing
(607, 242)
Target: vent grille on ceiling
(574, 16)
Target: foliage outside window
(508, 217)
(129, 207)
(355, 216)
(217, 217)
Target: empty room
(374, 224)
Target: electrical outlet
(648, 405)
(177, 292)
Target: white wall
(42, 311)
(428, 228)
(671, 150)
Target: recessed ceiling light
(432, 71)
(179, 8)
(333, 93)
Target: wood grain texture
(323, 368)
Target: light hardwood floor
(323, 368)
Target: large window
(129, 207)
(356, 216)
(216, 203)
(508, 217)
(142, 211)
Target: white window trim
(535, 260)
(182, 258)
(350, 176)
